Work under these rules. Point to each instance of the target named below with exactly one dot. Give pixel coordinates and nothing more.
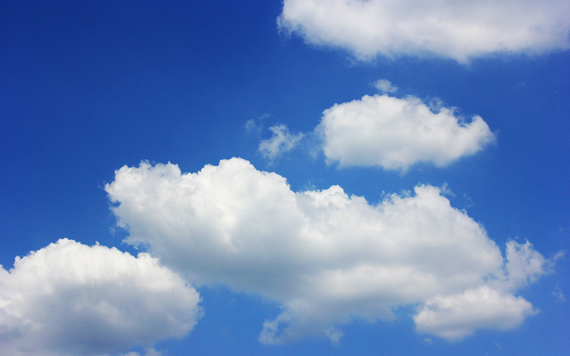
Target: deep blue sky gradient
(87, 87)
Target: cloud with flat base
(460, 30)
(326, 257)
(72, 299)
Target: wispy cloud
(256, 125)
(557, 292)
(280, 142)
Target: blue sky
(472, 111)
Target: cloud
(453, 29)
(281, 141)
(394, 133)
(256, 125)
(456, 316)
(73, 299)
(148, 352)
(559, 294)
(326, 257)
(385, 86)
(251, 125)
(525, 265)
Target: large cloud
(448, 28)
(72, 299)
(325, 256)
(396, 133)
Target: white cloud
(396, 133)
(559, 294)
(281, 141)
(456, 316)
(454, 29)
(325, 256)
(72, 299)
(251, 125)
(385, 86)
(525, 265)
(256, 125)
(148, 352)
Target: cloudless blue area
(89, 86)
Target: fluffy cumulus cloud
(281, 141)
(396, 133)
(73, 299)
(326, 257)
(456, 316)
(454, 29)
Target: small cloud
(385, 86)
(395, 134)
(469, 201)
(254, 125)
(445, 190)
(454, 317)
(153, 352)
(558, 293)
(271, 328)
(251, 125)
(281, 141)
(427, 341)
(149, 352)
(498, 346)
(334, 335)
